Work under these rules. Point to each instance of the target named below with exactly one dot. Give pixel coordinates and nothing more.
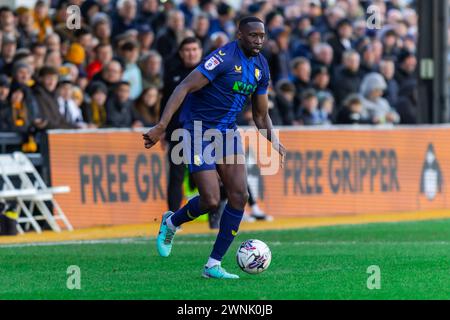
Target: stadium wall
(334, 171)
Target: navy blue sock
(229, 226)
(187, 213)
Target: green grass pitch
(316, 263)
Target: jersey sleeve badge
(211, 63)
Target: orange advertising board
(115, 180)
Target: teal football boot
(165, 236)
(217, 272)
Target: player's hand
(152, 136)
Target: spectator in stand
(389, 40)
(125, 18)
(38, 50)
(129, 51)
(306, 49)
(301, 78)
(103, 55)
(119, 108)
(171, 37)
(8, 50)
(347, 79)
(111, 74)
(101, 28)
(406, 67)
(94, 110)
(387, 70)
(42, 21)
(284, 100)
(146, 36)
(150, 65)
(323, 56)
(44, 92)
(368, 64)
(278, 55)
(147, 106)
(67, 105)
(28, 35)
(224, 21)
(374, 105)
(352, 111)
(407, 104)
(5, 108)
(342, 40)
(310, 114)
(201, 30)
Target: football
(253, 256)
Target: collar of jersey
(242, 54)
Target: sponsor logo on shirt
(212, 63)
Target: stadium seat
(31, 193)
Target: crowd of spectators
(331, 62)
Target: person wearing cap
(119, 108)
(44, 93)
(342, 40)
(8, 50)
(94, 109)
(146, 37)
(129, 52)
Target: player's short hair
(244, 21)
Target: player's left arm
(260, 110)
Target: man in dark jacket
(188, 57)
(119, 108)
(168, 40)
(347, 78)
(406, 67)
(44, 93)
(342, 41)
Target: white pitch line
(149, 241)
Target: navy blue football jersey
(233, 78)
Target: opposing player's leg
(209, 197)
(234, 178)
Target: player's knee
(211, 201)
(238, 199)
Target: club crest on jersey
(258, 74)
(238, 69)
(211, 63)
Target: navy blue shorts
(208, 148)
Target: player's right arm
(193, 82)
